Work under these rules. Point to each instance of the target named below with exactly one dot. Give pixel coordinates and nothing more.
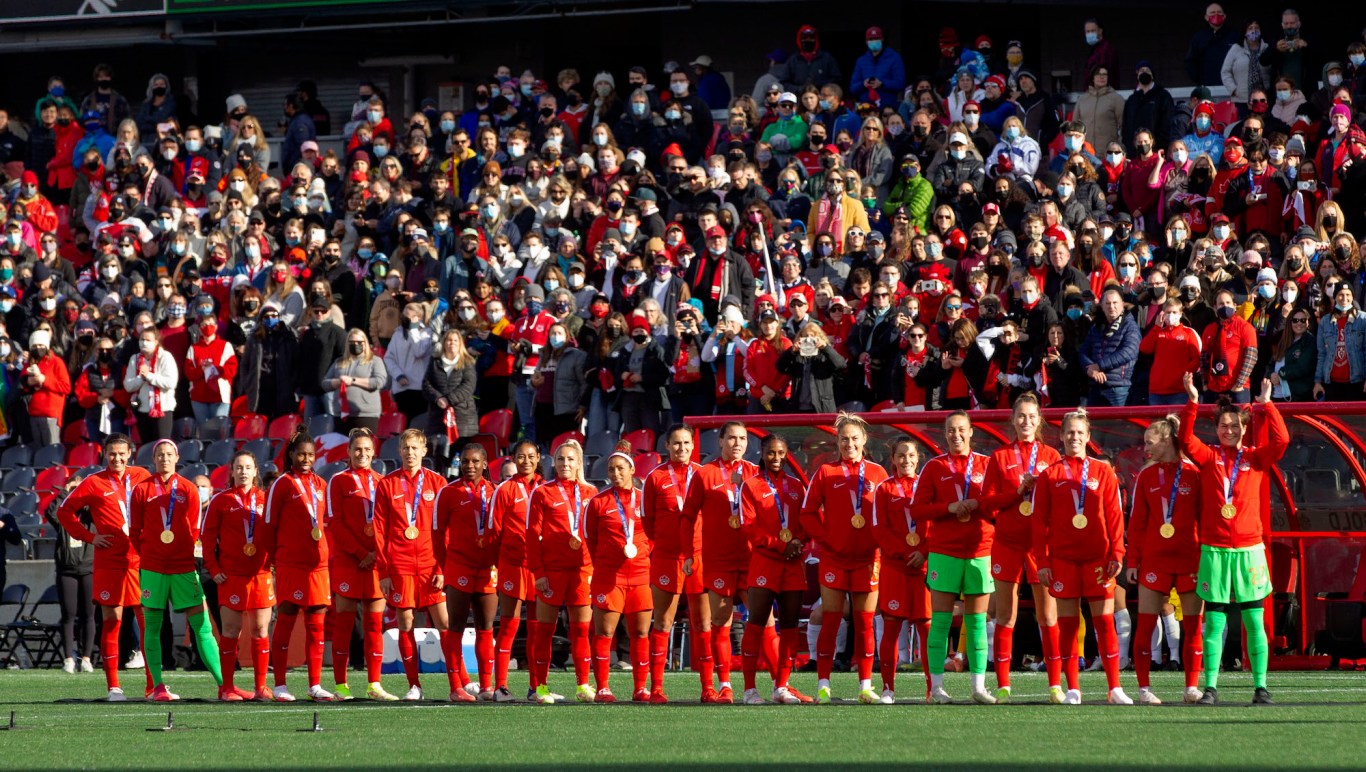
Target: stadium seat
(74, 433)
(219, 453)
(143, 457)
(192, 471)
(262, 449)
(18, 479)
(599, 469)
(42, 640)
(250, 427)
(186, 429)
(51, 478)
(389, 450)
(51, 455)
(319, 425)
(884, 405)
(488, 442)
(646, 463)
(238, 408)
(496, 469)
(709, 442)
(391, 424)
(284, 426)
(386, 402)
(641, 440)
(24, 502)
(499, 424)
(190, 451)
(215, 429)
(219, 478)
(19, 455)
(326, 471)
(563, 438)
(601, 444)
(14, 596)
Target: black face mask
(63, 121)
(641, 338)
(356, 347)
(997, 269)
(431, 293)
(1143, 148)
(920, 131)
(1330, 220)
(978, 242)
(546, 112)
(106, 357)
(93, 166)
(1342, 252)
(470, 247)
(1250, 271)
(613, 333)
(1145, 78)
(104, 83)
(1121, 233)
(573, 100)
(807, 46)
(159, 91)
(250, 306)
(1190, 293)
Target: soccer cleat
(708, 696)
(869, 697)
(640, 695)
(531, 694)
(940, 697)
(1003, 695)
(135, 661)
(1118, 697)
(584, 693)
(161, 694)
(376, 692)
(543, 696)
(486, 695)
(783, 696)
(317, 693)
(501, 694)
(472, 689)
(413, 694)
(1260, 696)
(68, 665)
(888, 697)
(116, 695)
(1073, 697)
(228, 694)
(657, 697)
(264, 695)
(460, 695)
(342, 692)
(1056, 695)
(823, 695)
(1146, 697)
(751, 697)
(281, 694)
(558, 697)
(802, 698)
(983, 697)
(86, 667)
(1210, 697)
(725, 696)
(605, 695)
(1192, 695)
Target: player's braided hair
(298, 439)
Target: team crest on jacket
(1057, 587)
(1092, 484)
(463, 581)
(104, 595)
(1039, 467)
(978, 478)
(146, 594)
(398, 597)
(720, 584)
(602, 599)
(934, 576)
(234, 600)
(894, 605)
(761, 581)
(1150, 578)
(996, 568)
(428, 496)
(507, 586)
(345, 587)
(664, 580)
(829, 576)
(298, 595)
(1204, 587)
(548, 593)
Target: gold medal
(317, 534)
(369, 529)
(857, 521)
(1079, 521)
(1167, 530)
(575, 543)
(735, 521)
(249, 549)
(1228, 511)
(785, 536)
(479, 542)
(1026, 508)
(913, 539)
(167, 536)
(631, 550)
(410, 532)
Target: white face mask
(1290, 294)
(1221, 232)
(238, 185)
(495, 316)
(111, 272)
(467, 314)
(1179, 157)
(48, 304)
(147, 346)
(1173, 319)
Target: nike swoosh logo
(950, 478)
(108, 493)
(1062, 483)
(1154, 490)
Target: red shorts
(355, 583)
(302, 586)
(567, 588)
(1164, 583)
(1081, 580)
(666, 574)
(412, 591)
(1008, 563)
(116, 587)
(516, 582)
(247, 593)
(904, 595)
(725, 583)
(475, 581)
(768, 573)
(623, 600)
(856, 578)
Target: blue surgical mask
(270, 322)
(1127, 271)
(374, 116)
(1012, 133)
(447, 127)
(958, 154)
(1092, 38)
(491, 211)
(639, 109)
(1074, 313)
(556, 341)
(193, 145)
(381, 151)
(441, 226)
(1073, 144)
(1267, 291)
(1202, 123)
(672, 115)
(875, 46)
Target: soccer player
(164, 528)
(1233, 569)
(296, 513)
(355, 582)
(1164, 551)
(620, 552)
(236, 560)
(665, 490)
(107, 495)
(511, 511)
(410, 576)
(466, 550)
(1009, 486)
(714, 496)
(838, 514)
(948, 494)
(1078, 527)
(902, 596)
(558, 556)
(771, 503)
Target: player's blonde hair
(1165, 428)
(851, 419)
(578, 450)
(1077, 415)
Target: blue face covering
(534, 307)
(1074, 313)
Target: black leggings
(74, 594)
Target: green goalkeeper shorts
(181, 590)
(1233, 575)
(968, 576)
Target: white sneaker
(983, 697)
(116, 695)
(1096, 665)
(472, 689)
(413, 694)
(1073, 697)
(1146, 697)
(782, 696)
(752, 697)
(888, 697)
(319, 694)
(1193, 694)
(86, 667)
(940, 697)
(1118, 697)
(281, 694)
(68, 665)
(136, 661)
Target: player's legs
(509, 619)
(604, 628)
(279, 644)
(832, 611)
(1192, 644)
(1046, 614)
(789, 618)
(315, 621)
(1007, 604)
(760, 605)
(581, 642)
(638, 627)
(1107, 639)
(722, 607)
(407, 645)
(1150, 604)
(111, 622)
(666, 606)
(1069, 618)
(864, 605)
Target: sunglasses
(881, 295)
(917, 336)
(1300, 320)
(952, 307)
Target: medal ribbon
(687, 483)
(126, 503)
(250, 506)
(311, 500)
(628, 525)
(1085, 472)
(481, 523)
(576, 514)
(370, 504)
(1169, 511)
(1033, 456)
(858, 496)
(1231, 479)
(169, 517)
(417, 500)
(901, 491)
(782, 510)
(967, 479)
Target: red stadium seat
(499, 424)
(489, 443)
(284, 426)
(646, 463)
(219, 477)
(496, 469)
(51, 478)
(386, 402)
(86, 454)
(641, 440)
(1225, 114)
(392, 423)
(250, 427)
(75, 433)
(239, 408)
(563, 438)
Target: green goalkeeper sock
(208, 644)
(1254, 629)
(1215, 622)
(151, 642)
(940, 622)
(975, 628)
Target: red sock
(750, 643)
(1143, 658)
(721, 651)
(602, 660)
(770, 647)
(533, 645)
(922, 634)
(1005, 642)
(1192, 648)
(825, 648)
(544, 639)
(867, 644)
(484, 648)
(507, 633)
(1052, 654)
(279, 646)
(659, 651)
(315, 629)
(1067, 648)
(887, 651)
(581, 649)
(1107, 641)
(142, 626)
(706, 669)
(640, 661)
(455, 661)
(407, 652)
(260, 660)
(342, 626)
(372, 638)
(109, 650)
(787, 652)
(227, 659)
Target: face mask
(641, 338)
(238, 185)
(1030, 298)
(679, 88)
(958, 154)
(1254, 35)
(934, 250)
(1092, 38)
(1074, 313)
(495, 316)
(270, 322)
(1357, 59)
(824, 249)
(1226, 312)
(895, 129)
(600, 311)
(1334, 80)
(374, 116)
(381, 151)
(1343, 308)
(48, 304)
(147, 346)
(491, 211)
(972, 119)
(639, 109)
(176, 311)
(1127, 272)
(875, 46)
(1266, 291)
(556, 341)
(1064, 191)
(1282, 95)
(552, 284)
(392, 283)
(1221, 232)
(1202, 123)
(1073, 144)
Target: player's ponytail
(298, 439)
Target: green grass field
(1319, 723)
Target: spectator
(562, 387)
(405, 360)
(45, 384)
(712, 87)
(1341, 368)
(1016, 156)
(1101, 108)
(211, 369)
(322, 341)
(1208, 47)
(151, 379)
(1101, 53)
(1110, 351)
(812, 365)
(879, 75)
(74, 561)
(1149, 108)
(1229, 352)
(1292, 57)
(267, 367)
(1245, 67)
(810, 64)
(357, 378)
(1294, 367)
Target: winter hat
(1266, 274)
(1340, 109)
(605, 77)
(235, 101)
(40, 338)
